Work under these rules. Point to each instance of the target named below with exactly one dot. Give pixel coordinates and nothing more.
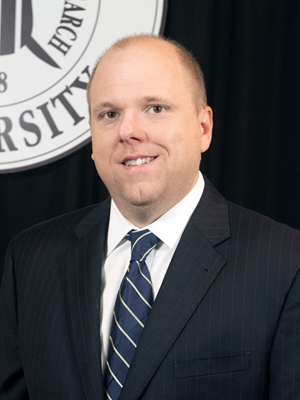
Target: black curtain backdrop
(249, 51)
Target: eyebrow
(155, 99)
(101, 106)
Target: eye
(156, 109)
(109, 115)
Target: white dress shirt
(168, 228)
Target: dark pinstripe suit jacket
(225, 324)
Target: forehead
(152, 65)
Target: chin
(140, 202)
(140, 199)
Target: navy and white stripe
(133, 304)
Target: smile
(138, 161)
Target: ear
(205, 117)
(92, 155)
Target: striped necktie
(133, 304)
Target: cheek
(101, 146)
(101, 157)
(189, 150)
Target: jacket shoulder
(64, 228)
(244, 215)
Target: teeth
(138, 161)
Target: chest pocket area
(214, 365)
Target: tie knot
(142, 242)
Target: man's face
(147, 136)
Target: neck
(142, 215)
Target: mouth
(138, 161)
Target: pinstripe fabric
(133, 305)
(225, 323)
(47, 296)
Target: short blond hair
(186, 58)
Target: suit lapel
(193, 269)
(83, 263)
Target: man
(225, 321)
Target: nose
(130, 128)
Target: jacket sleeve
(12, 381)
(285, 355)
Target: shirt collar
(168, 228)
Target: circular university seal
(47, 52)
